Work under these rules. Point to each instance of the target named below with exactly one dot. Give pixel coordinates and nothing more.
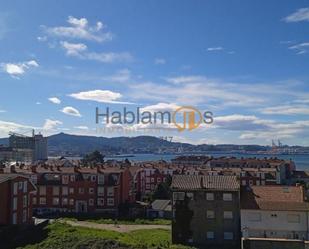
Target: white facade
(274, 224)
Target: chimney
(33, 169)
(202, 182)
(12, 169)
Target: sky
(245, 61)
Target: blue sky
(246, 61)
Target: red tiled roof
(284, 198)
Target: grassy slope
(125, 222)
(62, 236)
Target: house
(160, 209)
(16, 199)
(206, 211)
(274, 212)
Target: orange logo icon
(193, 115)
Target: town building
(206, 211)
(16, 199)
(274, 212)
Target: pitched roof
(161, 205)
(7, 177)
(279, 198)
(187, 182)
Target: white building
(274, 212)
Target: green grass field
(125, 222)
(63, 236)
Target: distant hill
(80, 145)
(76, 145)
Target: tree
(163, 190)
(93, 158)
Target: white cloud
(298, 16)
(51, 124)
(103, 96)
(82, 127)
(2, 111)
(42, 38)
(73, 49)
(17, 69)
(38, 103)
(286, 110)
(79, 29)
(301, 48)
(160, 107)
(6, 127)
(195, 90)
(80, 51)
(55, 100)
(69, 110)
(215, 49)
(160, 61)
(109, 57)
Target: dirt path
(117, 228)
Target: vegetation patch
(63, 236)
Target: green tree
(94, 158)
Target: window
(15, 203)
(147, 180)
(152, 179)
(110, 201)
(42, 201)
(65, 179)
(147, 186)
(91, 190)
(210, 196)
(72, 178)
(34, 201)
(243, 182)
(91, 202)
(250, 182)
(14, 218)
(71, 202)
(93, 178)
(100, 202)
(42, 190)
(65, 191)
(158, 180)
(100, 191)
(71, 190)
(64, 201)
(20, 185)
(55, 201)
(228, 235)
(210, 235)
(227, 196)
(56, 190)
(178, 196)
(25, 186)
(81, 190)
(24, 215)
(210, 214)
(110, 191)
(293, 218)
(228, 215)
(257, 183)
(100, 179)
(15, 188)
(25, 199)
